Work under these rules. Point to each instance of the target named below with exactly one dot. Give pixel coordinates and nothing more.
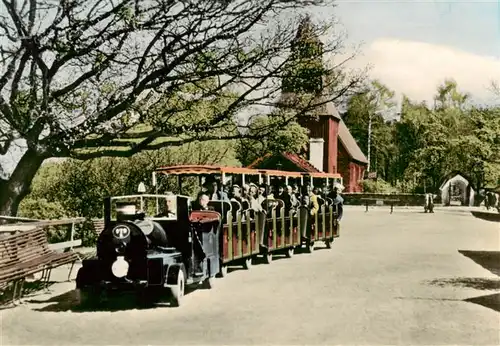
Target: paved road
(389, 279)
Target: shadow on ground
(29, 289)
(475, 283)
(491, 301)
(118, 301)
(489, 260)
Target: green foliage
(374, 101)
(378, 186)
(305, 70)
(77, 188)
(418, 151)
(41, 209)
(291, 138)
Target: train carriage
(282, 232)
(239, 233)
(323, 226)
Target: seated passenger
(216, 194)
(254, 198)
(319, 195)
(310, 200)
(270, 194)
(260, 194)
(293, 197)
(338, 201)
(236, 194)
(202, 202)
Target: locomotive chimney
(316, 148)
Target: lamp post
(141, 189)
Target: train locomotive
(154, 256)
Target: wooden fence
(13, 225)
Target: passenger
(325, 194)
(281, 191)
(311, 201)
(202, 202)
(236, 194)
(293, 197)
(338, 202)
(246, 192)
(253, 198)
(319, 195)
(285, 197)
(261, 194)
(216, 194)
(262, 190)
(270, 194)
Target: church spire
(305, 70)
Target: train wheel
(289, 252)
(268, 258)
(248, 263)
(178, 290)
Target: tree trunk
(13, 190)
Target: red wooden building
(332, 148)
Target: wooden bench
(26, 253)
(378, 200)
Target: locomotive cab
(153, 249)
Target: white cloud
(417, 68)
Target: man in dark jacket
(216, 194)
(202, 202)
(338, 202)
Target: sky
(412, 46)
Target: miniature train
(156, 244)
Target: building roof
(293, 158)
(350, 143)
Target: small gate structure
(457, 189)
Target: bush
(378, 186)
(41, 209)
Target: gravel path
(389, 279)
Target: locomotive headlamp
(120, 267)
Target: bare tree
(91, 78)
